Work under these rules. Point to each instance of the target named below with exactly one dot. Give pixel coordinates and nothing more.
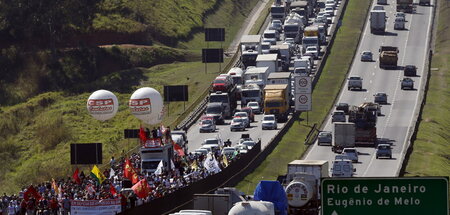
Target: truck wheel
(390, 156)
(377, 156)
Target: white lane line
(396, 90)
(373, 73)
(370, 81)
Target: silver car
(351, 153)
(366, 56)
(324, 137)
(380, 98)
(269, 122)
(338, 116)
(407, 83)
(237, 124)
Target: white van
(342, 168)
(399, 23)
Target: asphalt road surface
(397, 116)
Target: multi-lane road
(396, 123)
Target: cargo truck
(343, 136)
(285, 52)
(282, 78)
(405, 6)
(293, 27)
(152, 155)
(377, 20)
(228, 100)
(364, 117)
(277, 101)
(251, 93)
(302, 185)
(250, 48)
(278, 11)
(257, 75)
(268, 60)
(388, 57)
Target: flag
(55, 187)
(90, 189)
(142, 135)
(159, 169)
(211, 164)
(112, 173)
(129, 172)
(225, 160)
(97, 174)
(194, 165)
(112, 189)
(31, 192)
(76, 176)
(141, 188)
(178, 149)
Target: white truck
(377, 20)
(310, 41)
(257, 75)
(278, 11)
(250, 48)
(251, 93)
(236, 74)
(342, 167)
(302, 66)
(343, 136)
(293, 26)
(151, 156)
(302, 184)
(285, 52)
(269, 60)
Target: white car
(351, 153)
(244, 116)
(242, 149)
(249, 144)
(237, 124)
(329, 10)
(255, 107)
(313, 51)
(269, 122)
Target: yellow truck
(276, 101)
(311, 31)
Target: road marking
(370, 81)
(397, 86)
(373, 73)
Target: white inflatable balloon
(102, 105)
(147, 104)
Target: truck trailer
(388, 57)
(405, 6)
(378, 20)
(277, 101)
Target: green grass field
(35, 135)
(292, 145)
(431, 148)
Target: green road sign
(385, 196)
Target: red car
(221, 84)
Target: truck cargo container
(269, 60)
(277, 101)
(302, 185)
(343, 136)
(388, 57)
(250, 48)
(405, 6)
(378, 20)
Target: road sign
(302, 84)
(303, 101)
(386, 196)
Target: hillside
(46, 76)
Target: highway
(398, 116)
(195, 138)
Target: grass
(292, 145)
(262, 18)
(35, 135)
(230, 15)
(431, 149)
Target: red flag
(31, 191)
(76, 176)
(141, 188)
(112, 189)
(178, 149)
(142, 135)
(129, 172)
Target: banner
(95, 207)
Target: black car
(342, 107)
(410, 70)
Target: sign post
(386, 196)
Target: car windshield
(241, 114)
(214, 110)
(251, 93)
(269, 118)
(207, 122)
(248, 143)
(339, 113)
(274, 104)
(219, 81)
(366, 53)
(211, 141)
(324, 134)
(355, 78)
(269, 35)
(384, 147)
(350, 151)
(252, 104)
(237, 120)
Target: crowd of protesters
(54, 197)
